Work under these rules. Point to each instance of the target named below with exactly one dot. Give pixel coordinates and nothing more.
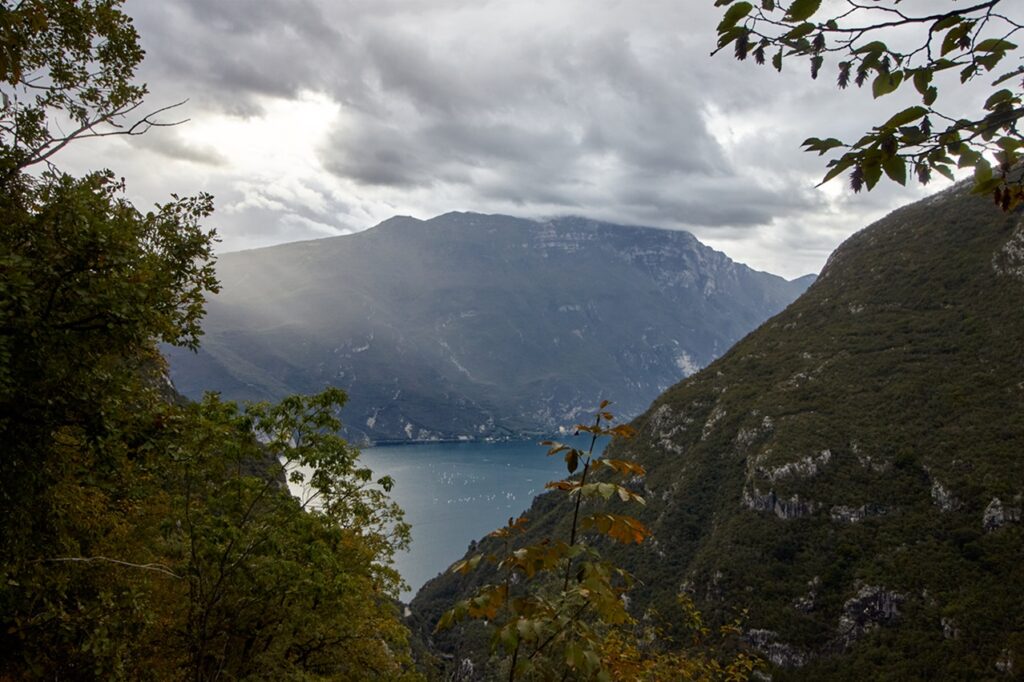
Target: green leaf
(868, 139)
(911, 135)
(1010, 144)
(968, 157)
(1019, 71)
(844, 163)
(509, 637)
(943, 24)
(995, 45)
(896, 169)
(800, 10)
(922, 79)
(730, 35)
(799, 32)
(768, 5)
(886, 83)
(906, 116)
(872, 173)
(733, 15)
(990, 60)
(813, 144)
(986, 187)
(951, 41)
(777, 61)
(997, 97)
(876, 46)
(573, 655)
(982, 172)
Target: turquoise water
(453, 493)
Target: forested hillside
(840, 493)
(143, 537)
(850, 474)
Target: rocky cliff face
(473, 326)
(852, 472)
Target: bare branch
(907, 20)
(88, 130)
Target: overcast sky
(313, 118)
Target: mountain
(472, 325)
(852, 472)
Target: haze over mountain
(471, 325)
(852, 472)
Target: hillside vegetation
(143, 537)
(852, 472)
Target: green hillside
(852, 472)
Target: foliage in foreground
(559, 610)
(146, 539)
(888, 46)
(140, 537)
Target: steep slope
(474, 325)
(852, 472)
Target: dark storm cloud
(575, 122)
(596, 107)
(226, 53)
(540, 112)
(739, 205)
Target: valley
(258, 422)
(475, 327)
(849, 475)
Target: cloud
(170, 144)
(543, 118)
(597, 107)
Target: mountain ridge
(851, 473)
(807, 278)
(474, 326)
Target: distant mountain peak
(398, 221)
(470, 325)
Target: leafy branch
(973, 42)
(567, 594)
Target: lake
(453, 493)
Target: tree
(273, 585)
(142, 537)
(559, 610)
(65, 64)
(888, 45)
(87, 283)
